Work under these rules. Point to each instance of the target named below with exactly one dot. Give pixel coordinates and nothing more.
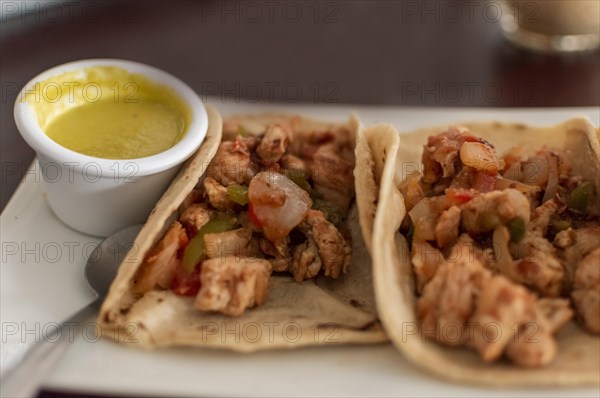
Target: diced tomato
(253, 217)
(458, 196)
(185, 284)
(183, 239)
(484, 182)
(183, 242)
(471, 138)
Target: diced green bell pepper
(194, 251)
(579, 197)
(238, 193)
(516, 228)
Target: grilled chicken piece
(426, 260)
(229, 285)
(232, 163)
(446, 229)
(413, 190)
(540, 218)
(227, 244)
(538, 265)
(159, 266)
(564, 238)
(449, 299)
(444, 153)
(334, 251)
(195, 216)
(502, 305)
(586, 291)
(252, 248)
(280, 252)
(267, 247)
(486, 211)
(282, 247)
(577, 243)
(441, 153)
(333, 176)
(306, 262)
(533, 345)
(191, 198)
(217, 195)
(291, 162)
(273, 144)
(557, 311)
(280, 264)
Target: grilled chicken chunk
(586, 291)
(229, 285)
(232, 163)
(217, 195)
(159, 266)
(334, 251)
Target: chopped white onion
(278, 203)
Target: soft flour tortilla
(373, 146)
(578, 359)
(296, 314)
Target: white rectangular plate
(41, 276)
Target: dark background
(417, 53)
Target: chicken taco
(254, 246)
(487, 252)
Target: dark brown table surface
(423, 53)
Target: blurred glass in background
(553, 26)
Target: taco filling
(270, 203)
(505, 250)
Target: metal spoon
(27, 376)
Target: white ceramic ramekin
(100, 196)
